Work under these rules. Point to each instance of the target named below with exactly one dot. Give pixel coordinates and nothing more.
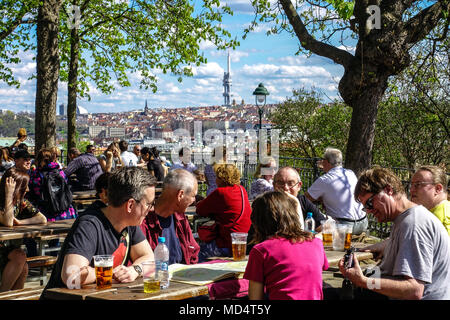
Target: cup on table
(327, 233)
(348, 236)
(339, 237)
(151, 278)
(103, 271)
(239, 245)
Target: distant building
(227, 84)
(117, 132)
(81, 110)
(62, 109)
(95, 131)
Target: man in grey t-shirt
(416, 257)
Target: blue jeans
(210, 249)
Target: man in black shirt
(154, 165)
(287, 179)
(112, 230)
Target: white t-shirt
(179, 165)
(129, 159)
(336, 188)
(419, 247)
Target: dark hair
(274, 214)
(146, 150)
(102, 182)
(74, 151)
(128, 182)
(44, 155)
(22, 146)
(155, 152)
(123, 145)
(22, 178)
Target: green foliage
(124, 38)
(308, 125)
(11, 122)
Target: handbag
(209, 230)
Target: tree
(308, 126)
(119, 38)
(380, 53)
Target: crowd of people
(285, 261)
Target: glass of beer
(239, 245)
(150, 275)
(103, 271)
(328, 227)
(348, 237)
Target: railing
(309, 172)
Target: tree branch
(425, 21)
(339, 56)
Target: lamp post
(260, 94)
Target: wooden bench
(22, 294)
(41, 262)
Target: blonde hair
(438, 175)
(263, 164)
(228, 173)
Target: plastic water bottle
(162, 262)
(310, 223)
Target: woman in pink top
(287, 262)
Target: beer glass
(239, 245)
(328, 227)
(348, 236)
(339, 237)
(151, 277)
(103, 271)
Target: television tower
(227, 84)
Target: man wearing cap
(22, 160)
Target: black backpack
(56, 195)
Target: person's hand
(124, 274)
(16, 222)
(10, 186)
(109, 154)
(355, 274)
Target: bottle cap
(309, 214)
(162, 239)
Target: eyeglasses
(369, 203)
(419, 183)
(148, 205)
(290, 184)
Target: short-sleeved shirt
(442, 212)
(93, 234)
(156, 166)
(189, 166)
(336, 188)
(289, 271)
(419, 248)
(129, 159)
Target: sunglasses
(369, 203)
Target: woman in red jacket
(228, 205)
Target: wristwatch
(138, 269)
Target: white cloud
(271, 70)
(211, 69)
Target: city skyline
(270, 60)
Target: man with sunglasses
(416, 256)
(334, 190)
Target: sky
(270, 60)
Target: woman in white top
(264, 177)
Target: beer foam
(103, 263)
(239, 242)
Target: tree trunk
(362, 89)
(72, 91)
(47, 63)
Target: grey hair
(128, 183)
(180, 179)
(288, 168)
(333, 156)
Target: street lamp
(260, 94)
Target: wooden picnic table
(36, 230)
(128, 291)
